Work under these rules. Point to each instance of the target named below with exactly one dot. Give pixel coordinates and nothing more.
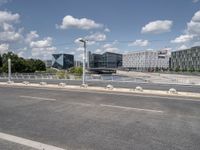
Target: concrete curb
(104, 89)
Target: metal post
(9, 69)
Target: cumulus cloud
(8, 17)
(157, 27)
(97, 37)
(42, 48)
(92, 38)
(141, 43)
(4, 48)
(32, 35)
(83, 23)
(7, 30)
(183, 38)
(107, 30)
(182, 47)
(10, 36)
(192, 31)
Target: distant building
(78, 63)
(62, 61)
(188, 59)
(48, 63)
(105, 60)
(147, 60)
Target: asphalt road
(80, 120)
(151, 86)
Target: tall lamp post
(9, 70)
(84, 58)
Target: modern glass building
(62, 61)
(105, 60)
(188, 59)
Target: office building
(105, 60)
(48, 63)
(62, 61)
(148, 60)
(186, 60)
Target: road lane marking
(131, 108)
(81, 104)
(38, 98)
(27, 142)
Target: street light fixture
(84, 58)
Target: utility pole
(9, 69)
(84, 58)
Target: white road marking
(29, 143)
(131, 108)
(38, 98)
(81, 104)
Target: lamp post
(9, 70)
(84, 58)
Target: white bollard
(172, 91)
(139, 89)
(109, 87)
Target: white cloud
(8, 17)
(92, 38)
(98, 51)
(159, 26)
(4, 48)
(182, 47)
(42, 48)
(46, 42)
(83, 23)
(97, 37)
(195, 1)
(192, 32)
(110, 47)
(3, 2)
(193, 27)
(32, 35)
(141, 43)
(10, 36)
(107, 30)
(183, 39)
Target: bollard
(109, 87)
(172, 91)
(139, 89)
(62, 84)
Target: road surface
(80, 120)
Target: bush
(76, 71)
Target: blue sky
(38, 28)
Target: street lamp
(84, 58)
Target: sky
(38, 28)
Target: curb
(105, 89)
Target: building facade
(105, 60)
(48, 63)
(186, 60)
(62, 61)
(148, 60)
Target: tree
(20, 64)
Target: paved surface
(99, 121)
(150, 86)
